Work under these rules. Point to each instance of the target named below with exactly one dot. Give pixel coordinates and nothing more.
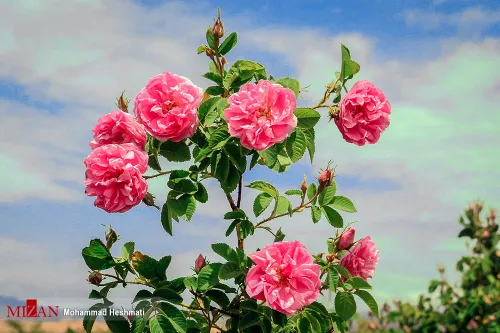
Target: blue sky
(63, 64)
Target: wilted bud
(209, 52)
(325, 179)
(218, 29)
(136, 258)
(122, 103)
(333, 112)
(149, 200)
(224, 60)
(347, 238)
(329, 258)
(199, 263)
(303, 185)
(440, 269)
(111, 238)
(95, 278)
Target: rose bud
(199, 263)
(325, 179)
(218, 29)
(303, 185)
(471, 207)
(485, 234)
(493, 214)
(373, 326)
(95, 278)
(440, 268)
(122, 103)
(472, 324)
(346, 239)
(149, 200)
(130, 318)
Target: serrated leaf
(293, 192)
(200, 49)
(358, 283)
(225, 251)
(127, 250)
(97, 256)
(296, 145)
(229, 270)
(310, 142)
(115, 323)
(214, 90)
(283, 205)
(175, 151)
(218, 138)
(306, 118)
(166, 219)
(218, 297)
(166, 294)
(228, 43)
(184, 206)
(237, 214)
(279, 236)
(311, 191)
(246, 229)
(183, 185)
(326, 196)
(174, 316)
(262, 201)
(215, 77)
(333, 217)
(231, 227)
(304, 325)
(342, 271)
(315, 214)
(345, 305)
(343, 203)
(201, 194)
(291, 84)
(162, 266)
(369, 300)
(232, 179)
(234, 154)
(191, 283)
(208, 276)
(89, 319)
(264, 187)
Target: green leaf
(254, 160)
(94, 294)
(166, 219)
(333, 278)
(279, 236)
(293, 192)
(207, 106)
(225, 251)
(358, 283)
(89, 320)
(162, 266)
(248, 320)
(333, 217)
(291, 84)
(147, 267)
(96, 256)
(175, 151)
(327, 195)
(369, 300)
(191, 283)
(229, 270)
(218, 138)
(283, 205)
(315, 213)
(175, 316)
(168, 295)
(127, 250)
(232, 179)
(210, 38)
(218, 297)
(246, 229)
(215, 77)
(467, 232)
(342, 271)
(311, 191)
(228, 43)
(296, 145)
(200, 49)
(351, 68)
(201, 195)
(345, 305)
(208, 276)
(214, 90)
(343, 203)
(234, 154)
(306, 117)
(174, 174)
(231, 227)
(237, 214)
(264, 187)
(310, 144)
(160, 324)
(261, 202)
(153, 162)
(216, 111)
(184, 206)
(142, 295)
(139, 322)
(183, 185)
(433, 286)
(304, 325)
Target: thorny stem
(235, 207)
(327, 94)
(301, 206)
(162, 173)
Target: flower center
(263, 112)
(168, 106)
(282, 280)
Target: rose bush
(246, 119)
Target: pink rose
(284, 276)
(347, 238)
(167, 107)
(118, 127)
(199, 263)
(114, 176)
(325, 178)
(361, 259)
(364, 114)
(261, 114)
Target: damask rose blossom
(261, 114)
(167, 107)
(114, 176)
(361, 259)
(284, 276)
(347, 239)
(363, 114)
(118, 127)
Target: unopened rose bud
(149, 200)
(95, 278)
(199, 263)
(485, 234)
(492, 318)
(218, 29)
(122, 103)
(347, 238)
(130, 318)
(325, 178)
(303, 185)
(329, 258)
(440, 269)
(209, 52)
(471, 207)
(111, 238)
(472, 324)
(373, 326)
